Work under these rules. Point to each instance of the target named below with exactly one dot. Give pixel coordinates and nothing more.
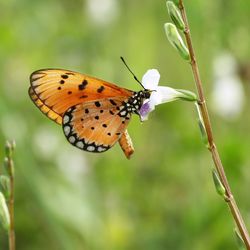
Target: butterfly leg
(126, 144)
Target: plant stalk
(11, 211)
(212, 147)
(11, 205)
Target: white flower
(228, 97)
(160, 94)
(102, 12)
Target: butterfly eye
(147, 94)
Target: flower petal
(166, 94)
(160, 95)
(151, 79)
(155, 98)
(145, 110)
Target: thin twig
(212, 147)
(11, 211)
(10, 169)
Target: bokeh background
(163, 198)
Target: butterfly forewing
(95, 126)
(60, 89)
(45, 109)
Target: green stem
(11, 204)
(212, 147)
(11, 211)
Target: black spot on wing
(83, 96)
(98, 104)
(99, 90)
(64, 76)
(113, 102)
(83, 85)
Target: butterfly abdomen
(126, 144)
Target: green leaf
(240, 242)
(5, 185)
(4, 213)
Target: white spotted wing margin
(95, 126)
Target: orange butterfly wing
(55, 90)
(95, 126)
(45, 109)
(61, 89)
(124, 141)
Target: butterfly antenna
(131, 71)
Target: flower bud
(203, 133)
(176, 40)
(202, 127)
(8, 149)
(9, 166)
(4, 213)
(13, 144)
(175, 15)
(218, 185)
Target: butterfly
(94, 114)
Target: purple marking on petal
(145, 109)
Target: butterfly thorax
(134, 103)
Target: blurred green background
(163, 198)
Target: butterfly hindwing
(95, 126)
(61, 89)
(124, 141)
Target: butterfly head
(147, 93)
